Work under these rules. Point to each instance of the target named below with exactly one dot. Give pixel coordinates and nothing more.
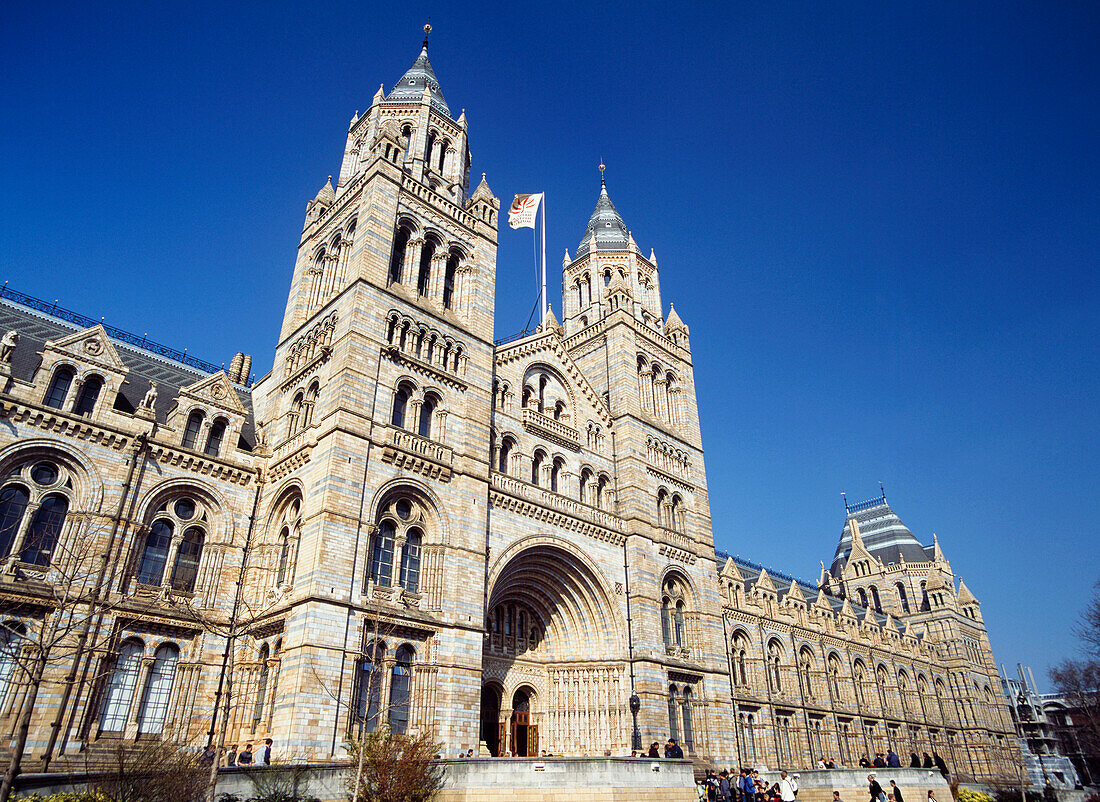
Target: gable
(91, 346)
(215, 390)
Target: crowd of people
(244, 758)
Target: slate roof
(751, 572)
(607, 224)
(145, 366)
(883, 534)
(410, 89)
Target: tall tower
(371, 525)
(640, 362)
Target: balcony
(553, 430)
(415, 453)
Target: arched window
(689, 736)
(678, 624)
(875, 600)
(214, 440)
(775, 659)
(309, 404)
(369, 690)
(118, 695)
(423, 278)
(191, 431)
(673, 714)
(666, 622)
(186, 569)
(154, 554)
(381, 558)
(410, 561)
(805, 672)
(400, 690)
(676, 514)
(59, 387)
(44, 530)
(902, 597)
(506, 446)
(89, 394)
(158, 690)
(536, 466)
(834, 677)
(427, 413)
(294, 416)
(400, 404)
(662, 504)
(740, 655)
(555, 474)
(862, 595)
(397, 258)
(449, 280)
(261, 687)
(882, 679)
(11, 638)
(13, 504)
(290, 526)
(858, 680)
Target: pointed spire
(327, 194)
(965, 596)
(823, 579)
(731, 572)
(934, 580)
(462, 119)
(419, 83)
(937, 553)
(482, 192)
(354, 119)
(794, 593)
(379, 96)
(846, 610)
(567, 259)
(764, 582)
(552, 321)
(653, 257)
(673, 321)
(822, 602)
(606, 230)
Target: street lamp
(635, 706)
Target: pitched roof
(884, 536)
(607, 225)
(420, 76)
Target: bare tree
(47, 611)
(1078, 681)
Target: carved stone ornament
(218, 391)
(93, 346)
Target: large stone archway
(555, 640)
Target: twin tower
(500, 543)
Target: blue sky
(878, 220)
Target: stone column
(411, 269)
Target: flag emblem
(522, 212)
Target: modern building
(1047, 764)
(499, 542)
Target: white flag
(522, 213)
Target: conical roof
(608, 227)
(326, 195)
(883, 534)
(410, 89)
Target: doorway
(524, 734)
(490, 719)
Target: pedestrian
(786, 788)
(864, 763)
(207, 757)
(914, 761)
(673, 750)
(892, 759)
(931, 796)
(836, 797)
(895, 791)
(877, 794)
(724, 786)
(231, 758)
(927, 764)
(654, 749)
(244, 759)
(880, 761)
(940, 764)
(746, 787)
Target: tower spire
(427, 30)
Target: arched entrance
(523, 735)
(556, 648)
(490, 716)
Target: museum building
(414, 525)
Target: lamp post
(636, 736)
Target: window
(191, 431)
(862, 594)
(449, 280)
(381, 560)
(186, 570)
(666, 629)
(427, 414)
(179, 528)
(158, 690)
(34, 502)
(400, 404)
(740, 653)
(774, 662)
(59, 387)
(536, 466)
(506, 446)
(400, 690)
(673, 609)
(902, 597)
(410, 561)
(290, 525)
(673, 714)
(11, 636)
(555, 474)
(369, 688)
(121, 682)
(748, 737)
(875, 599)
(261, 687)
(423, 279)
(689, 736)
(214, 440)
(89, 394)
(834, 677)
(805, 678)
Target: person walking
(265, 755)
(892, 759)
(654, 749)
(896, 791)
(746, 787)
(914, 761)
(231, 758)
(786, 788)
(877, 794)
(673, 750)
(244, 759)
(940, 764)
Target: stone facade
(498, 542)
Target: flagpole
(544, 301)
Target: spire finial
(427, 30)
(602, 168)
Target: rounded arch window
(289, 524)
(397, 543)
(174, 540)
(35, 499)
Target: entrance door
(520, 721)
(492, 732)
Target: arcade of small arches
(310, 346)
(426, 344)
(660, 391)
(551, 471)
(426, 260)
(328, 267)
(547, 393)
